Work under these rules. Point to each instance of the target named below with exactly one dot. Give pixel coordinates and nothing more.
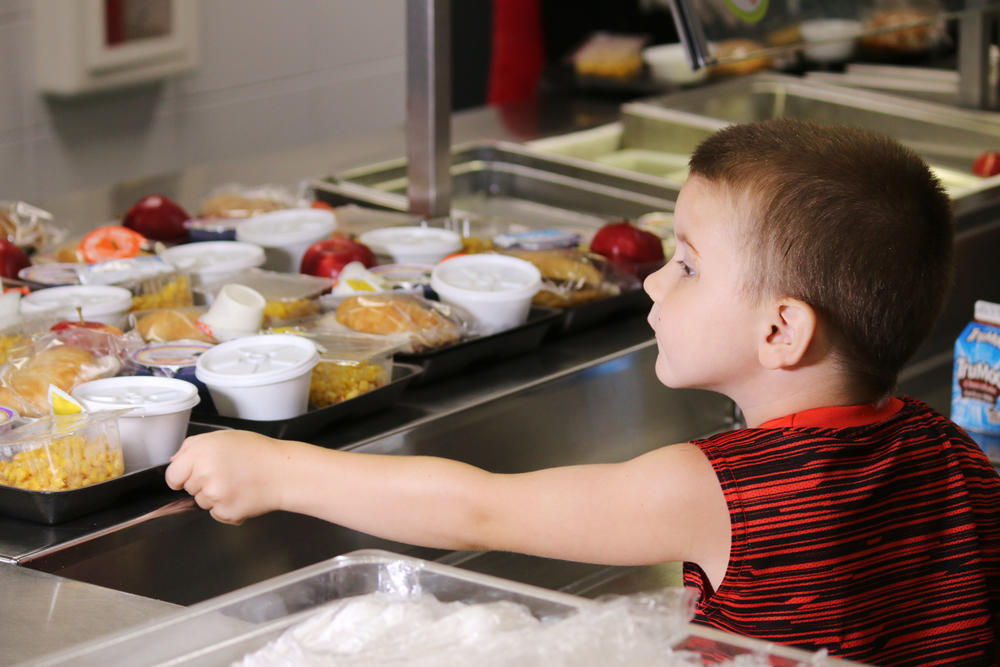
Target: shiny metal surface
(42, 613)
(428, 106)
(224, 630)
(975, 34)
(950, 139)
(498, 184)
(619, 410)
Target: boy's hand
(233, 474)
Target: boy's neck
(790, 395)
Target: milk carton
(975, 385)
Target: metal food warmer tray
(226, 628)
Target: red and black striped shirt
(874, 533)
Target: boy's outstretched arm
(665, 505)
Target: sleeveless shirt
(874, 533)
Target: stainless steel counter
(42, 613)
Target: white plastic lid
(287, 227)
(488, 275)
(408, 241)
(257, 360)
(215, 256)
(57, 273)
(92, 300)
(124, 269)
(143, 395)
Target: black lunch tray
(448, 361)
(315, 420)
(52, 507)
(587, 315)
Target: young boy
(811, 261)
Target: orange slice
(111, 242)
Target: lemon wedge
(62, 403)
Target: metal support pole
(975, 30)
(428, 107)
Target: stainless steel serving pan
(949, 138)
(497, 186)
(223, 630)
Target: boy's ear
(789, 330)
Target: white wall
(274, 74)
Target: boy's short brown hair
(850, 222)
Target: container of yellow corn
(62, 452)
(349, 365)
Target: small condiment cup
(236, 310)
(263, 378)
(156, 421)
(495, 289)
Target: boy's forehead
(703, 203)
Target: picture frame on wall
(86, 46)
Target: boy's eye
(685, 269)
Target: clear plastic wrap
(153, 282)
(388, 628)
(349, 365)
(28, 226)
(233, 200)
(163, 325)
(58, 453)
(418, 324)
(571, 277)
(288, 296)
(66, 359)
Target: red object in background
(110, 242)
(327, 257)
(987, 164)
(518, 54)
(637, 251)
(94, 336)
(12, 259)
(157, 217)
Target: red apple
(97, 337)
(637, 251)
(12, 259)
(987, 164)
(327, 257)
(157, 217)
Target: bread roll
(65, 366)
(387, 314)
(167, 325)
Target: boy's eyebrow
(682, 238)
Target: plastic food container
(214, 261)
(286, 235)
(175, 360)
(58, 453)
(495, 289)
(97, 303)
(51, 275)
(835, 39)
(262, 378)
(412, 245)
(153, 282)
(212, 229)
(669, 63)
(349, 365)
(288, 296)
(8, 417)
(159, 410)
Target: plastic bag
(233, 200)
(419, 324)
(28, 226)
(66, 359)
(571, 277)
(169, 324)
